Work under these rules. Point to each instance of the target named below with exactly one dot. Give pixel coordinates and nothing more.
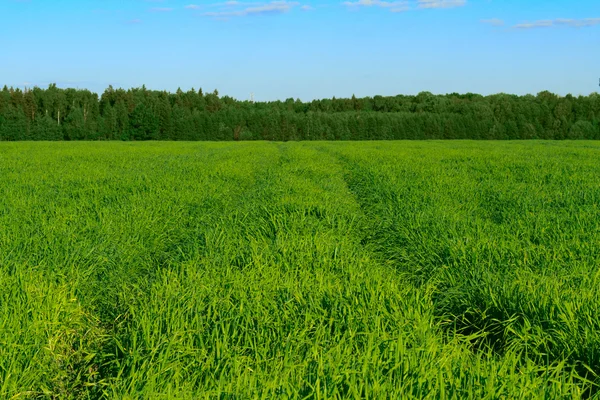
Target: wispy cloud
(193, 7)
(161, 9)
(493, 22)
(393, 6)
(134, 21)
(405, 5)
(306, 8)
(549, 23)
(441, 3)
(242, 9)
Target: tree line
(142, 114)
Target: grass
(326, 270)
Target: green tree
(14, 124)
(46, 128)
(108, 129)
(143, 123)
(122, 120)
(583, 130)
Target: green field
(441, 270)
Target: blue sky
(304, 49)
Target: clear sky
(306, 49)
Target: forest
(193, 115)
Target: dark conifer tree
(142, 114)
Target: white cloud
(577, 23)
(192, 7)
(405, 5)
(441, 3)
(548, 23)
(306, 8)
(239, 9)
(393, 6)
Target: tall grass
(299, 270)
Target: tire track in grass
(418, 293)
(180, 222)
(242, 275)
(217, 255)
(291, 306)
(468, 297)
(94, 236)
(386, 238)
